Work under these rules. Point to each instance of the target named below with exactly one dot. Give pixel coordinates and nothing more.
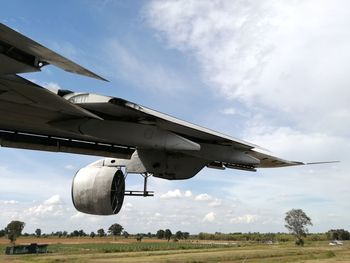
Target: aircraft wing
(32, 117)
(20, 54)
(220, 151)
(26, 112)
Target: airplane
(133, 139)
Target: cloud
(8, 202)
(54, 200)
(188, 193)
(171, 194)
(54, 206)
(210, 217)
(128, 207)
(245, 219)
(215, 203)
(287, 141)
(230, 48)
(203, 197)
(267, 55)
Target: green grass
(132, 247)
(153, 252)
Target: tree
(160, 234)
(115, 230)
(338, 234)
(139, 237)
(38, 232)
(167, 234)
(101, 232)
(2, 232)
(92, 234)
(75, 233)
(179, 235)
(296, 223)
(14, 230)
(82, 233)
(186, 235)
(125, 234)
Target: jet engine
(98, 190)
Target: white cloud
(128, 207)
(216, 203)
(8, 202)
(230, 48)
(54, 200)
(50, 207)
(267, 55)
(245, 219)
(172, 194)
(210, 217)
(286, 142)
(203, 197)
(188, 193)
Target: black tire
(117, 191)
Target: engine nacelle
(98, 190)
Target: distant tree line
(338, 234)
(167, 234)
(262, 237)
(14, 229)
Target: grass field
(152, 250)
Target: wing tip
(42, 53)
(326, 162)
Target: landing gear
(145, 192)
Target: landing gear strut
(145, 192)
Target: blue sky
(274, 73)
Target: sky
(274, 73)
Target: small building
(33, 248)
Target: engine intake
(98, 190)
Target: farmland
(153, 250)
